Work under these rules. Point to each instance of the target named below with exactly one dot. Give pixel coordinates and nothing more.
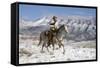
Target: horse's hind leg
(48, 44)
(40, 41)
(43, 47)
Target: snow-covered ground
(29, 52)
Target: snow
(29, 52)
(81, 28)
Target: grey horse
(60, 34)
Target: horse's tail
(40, 40)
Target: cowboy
(53, 27)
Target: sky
(32, 12)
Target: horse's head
(62, 31)
(65, 28)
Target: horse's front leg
(63, 49)
(60, 44)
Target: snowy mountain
(80, 27)
(38, 22)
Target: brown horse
(47, 37)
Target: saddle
(51, 34)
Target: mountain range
(80, 27)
